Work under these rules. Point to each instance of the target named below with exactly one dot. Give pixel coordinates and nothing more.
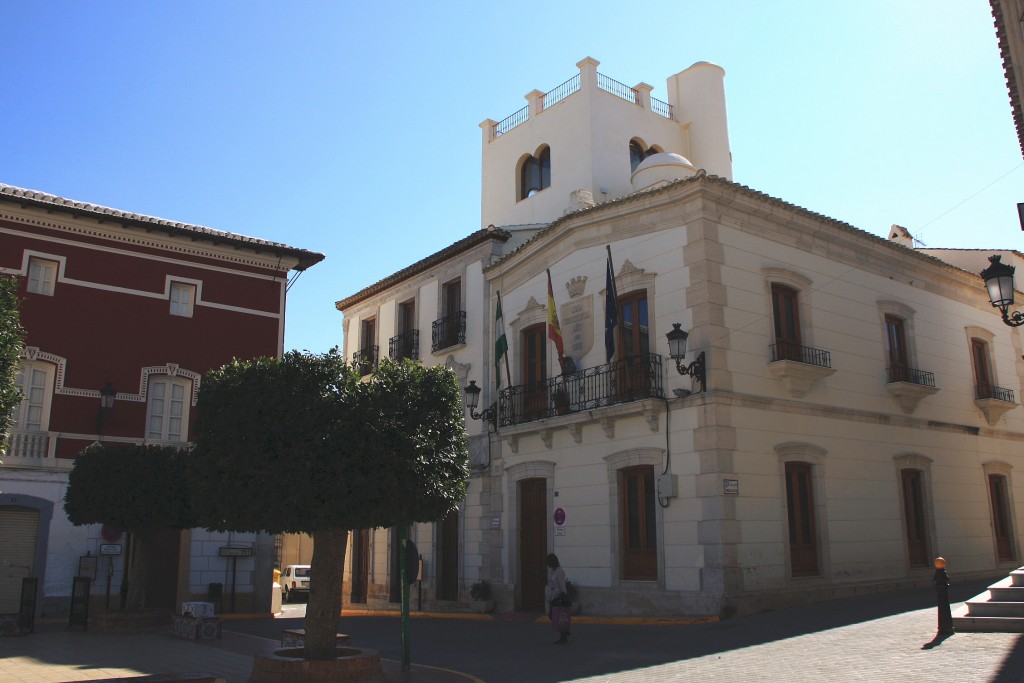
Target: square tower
(583, 141)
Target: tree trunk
(325, 584)
(138, 572)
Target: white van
(294, 581)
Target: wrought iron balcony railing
(901, 373)
(982, 391)
(630, 379)
(800, 354)
(405, 345)
(365, 360)
(448, 331)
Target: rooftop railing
(510, 122)
(616, 88)
(559, 93)
(574, 85)
(661, 108)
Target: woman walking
(557, 599)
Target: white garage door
(18, 527)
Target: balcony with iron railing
(405, 345)
(365, 360)
(902, 373)
(993, 401)
(631, 379)
(990, 391)
(798, 366)
(909, 385)
(448, 331)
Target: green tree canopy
(304, 444)
(141, 489)
(12, 337)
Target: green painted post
(403, 537)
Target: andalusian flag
(500, 341)
(554, 329)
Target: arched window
(637, 153)
(535, 174)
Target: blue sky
(351, 128)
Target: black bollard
(942, 598)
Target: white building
(859, 414)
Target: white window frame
(41, 276)
(42, 399)
(179, 391)
(183, 297)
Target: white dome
(661, 167)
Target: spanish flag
(554, 329)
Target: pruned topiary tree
(12, 337)
(140, 489)
(304, 445)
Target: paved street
(874, 638)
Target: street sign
(236, 551)
(110, 548)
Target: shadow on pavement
(506, 650)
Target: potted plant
(480, 598)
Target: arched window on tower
(637, 153)
(535, 173)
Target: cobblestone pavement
(875, 638)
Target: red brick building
(124, 313)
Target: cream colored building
(860, 410)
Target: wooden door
(897, 341)
(534, 372)
(1001, 524)
(787, 323)
(448, 557)
(533, 543)
(360, 564)
(982, 375)
(637, 523)
(803, 538)
(913, 513)
(18, 530)
(635, 345)
(452, 302)
(162, 586)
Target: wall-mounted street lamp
(999, 283)
(107, 395)
(473, 400)
(677, 350)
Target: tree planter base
(287, 666)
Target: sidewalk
(876, 638)
(55, 655)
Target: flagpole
(611, 312)
(508, 373)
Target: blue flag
(611, 310)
